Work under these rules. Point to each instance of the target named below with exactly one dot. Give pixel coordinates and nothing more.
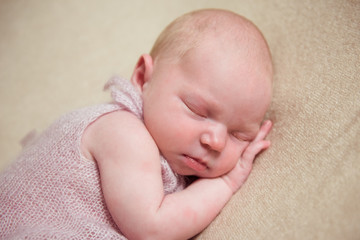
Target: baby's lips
(195, 164)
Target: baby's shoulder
(119, 128)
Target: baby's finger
(264, 131)
(253, 149)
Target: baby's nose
(215, 137)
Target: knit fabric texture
(53, 191)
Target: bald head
(233, 32)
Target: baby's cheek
(242, 147)
(235, 154)
(228, 162)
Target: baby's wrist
(230, 184)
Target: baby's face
(204, 110)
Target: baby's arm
(130, 171)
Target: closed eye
(195, 109)
(241, 137)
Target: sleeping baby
(194, 107)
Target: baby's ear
(142, 72)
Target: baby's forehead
(249, 49)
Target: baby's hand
(236, 177)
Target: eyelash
(236, 136)
(194, 110)
(239, 138)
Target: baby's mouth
(195, 164)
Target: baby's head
(234, 32)
(206, 86)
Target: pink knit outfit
(53, 191)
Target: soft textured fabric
(306, 186)
(52, 191)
